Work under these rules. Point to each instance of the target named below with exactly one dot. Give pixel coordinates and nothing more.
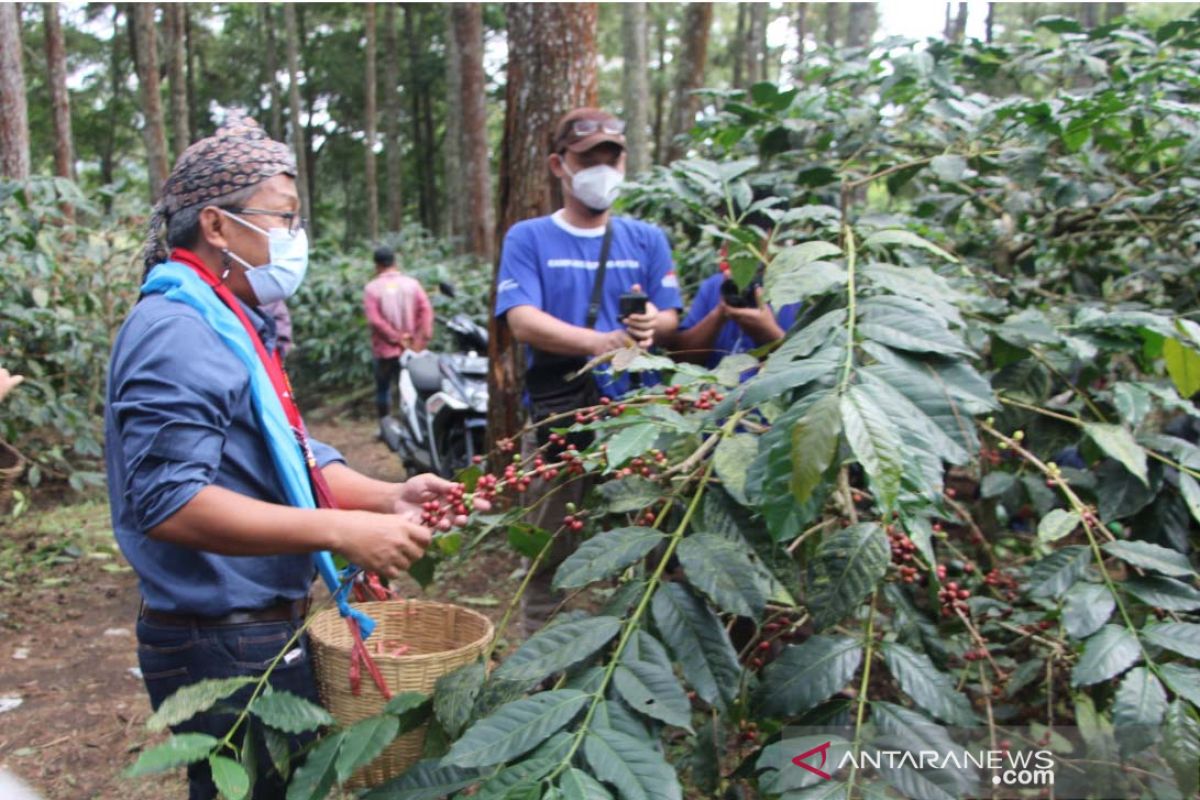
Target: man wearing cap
(548, 270)
(400, 317)
(211, 477)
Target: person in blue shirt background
(714, 329)
(548, 266)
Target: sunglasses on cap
(586, 127)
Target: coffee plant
(960, 494)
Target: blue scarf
(179, 283)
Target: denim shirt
(179, 417)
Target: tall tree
(833, 18)
(756, 45)
(661, 86)
(153, 131)
(1113, 11)
(174, 29)
(421, 148)
(271, 61)
(14, 113)
(860, 24)
(455, 218)
(372, 187)
(391, 117)
(689, 75)
(636, 86)
(801, 22)
(956, 26)
(56, 67)
(293, 65)
(738, 48)
(989, 23)
(468, 35)
(189, 36)
(551, 69)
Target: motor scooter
(442, 421)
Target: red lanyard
(272, 364)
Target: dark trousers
(387, 374)
(174, 656)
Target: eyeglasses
(586, 127)
(295, 222)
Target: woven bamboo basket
(441, 638)
(11, 465)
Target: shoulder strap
(593, 311)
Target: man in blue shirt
(714, 329)
(199, 506)
(548, 267)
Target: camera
(743, 299)
(631, 303)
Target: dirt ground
(68, 603)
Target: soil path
(68, 603)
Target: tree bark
(801, 33)
(756, 47)
(480, 227)
(551, 69)
(1113, 11)
(372, 187)
(275, 120)
(190, 54)
(14, 113)
(309, 96)
(293, 65)
(860, 26)
(424, 165)
(174, 30)
(832, 21)
(989, 23)
(56, 66)
(153, 130)
(660, 90)
(738, 48)
(689, 75)
(454, 219)
(108, 148)
(391, 118)
(636, 86)
(1087, 15)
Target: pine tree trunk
(108, 148)
(190, 54)
(756, 47)
(551, 69)
(424, 168)
(293, 65)
(689, 76)
(56, 66)
(480, 226)
(391, 118)
(433, 197)
(153, 131)
(989, 23)
(738, 48)
(960, 23)
(660, 90)
(174, 29)
(372, 187)
(801, 33)
(275, 120)
(14, 113)
(636, 86)
(455, 218)
(309, 96)
(833, 18)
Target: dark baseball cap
(582, 129)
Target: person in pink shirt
(401, 318)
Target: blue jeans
(387, 373)
(174, 656)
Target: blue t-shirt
(551, 266)
(730, 337)
(179, 416)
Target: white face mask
(279, 278)
(596, 187)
